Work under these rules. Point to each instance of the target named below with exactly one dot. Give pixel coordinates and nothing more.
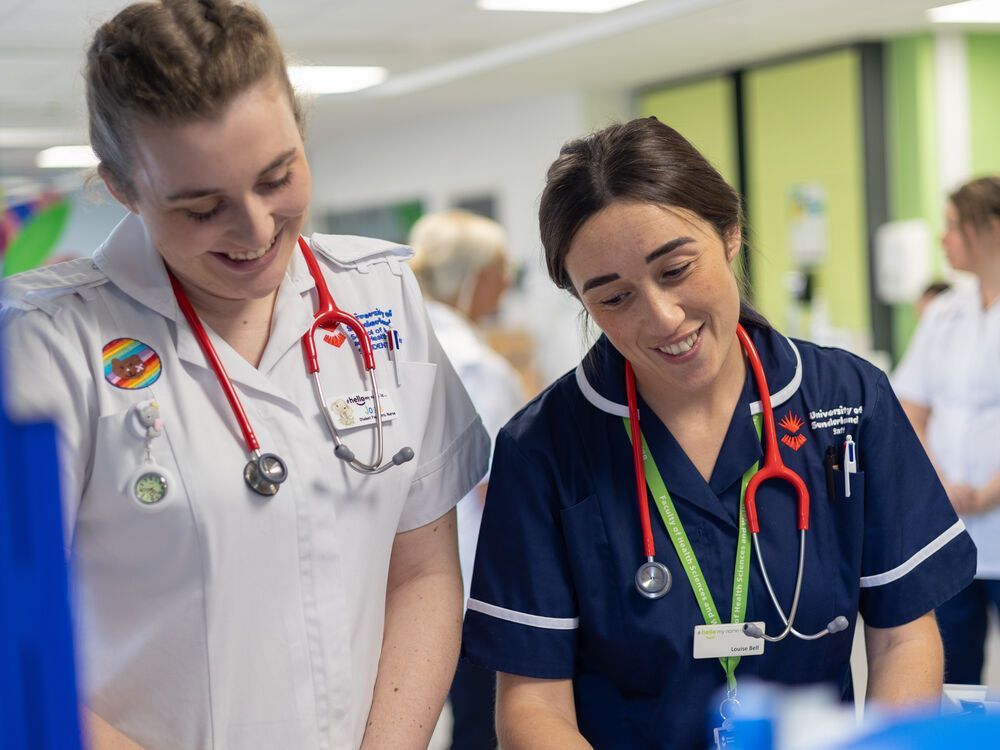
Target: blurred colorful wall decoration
(30, 230)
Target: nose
(663, 312)
(254, 224)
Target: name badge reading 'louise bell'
(358, 410)
(717, 641)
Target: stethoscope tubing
(222, 376)
(648, 546)
(329, 316)
(770, 589)
(774, 467)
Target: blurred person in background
(462, 265)
(949, 385)
(931, 291)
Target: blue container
(38, 698)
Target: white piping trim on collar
(780, 397)
(535, 621)
(922, 554)
(591, 394)
(621, 410)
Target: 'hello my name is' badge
(358, 410)
(130, 364)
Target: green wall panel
(803, 123)
(704, 113)
(912, 152)
(984, 101)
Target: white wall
(503, 149)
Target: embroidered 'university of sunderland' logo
(792, 423)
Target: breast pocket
(834, 549)
(414, 419)
(135, 509)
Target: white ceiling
(441, 54)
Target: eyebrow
(659, 252)
(191, 193)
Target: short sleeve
(454, 448)
(916, 552)
(46, 378)
(522, 617)
(911, 378)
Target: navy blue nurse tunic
(553, 594)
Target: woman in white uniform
(949, 385)
(237, 584)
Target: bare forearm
(102, 736)
(529, 727)
(423, 629)
(988, 496)
(537, 714)
(906, 667)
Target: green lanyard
(741, 574)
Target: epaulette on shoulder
(359, 253)
(42, 287)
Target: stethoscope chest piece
(265, 473)
(652, 579)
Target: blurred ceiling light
(973, 11)
(556, 6)
(38, 137)
(66, 157)
(334, 79)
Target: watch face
(150, 488)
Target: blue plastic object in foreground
(38, 701)
(960, 731)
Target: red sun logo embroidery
(792, 423)
(337, 340)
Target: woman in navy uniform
(643, 231)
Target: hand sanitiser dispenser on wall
(37, 677)
(903, 260)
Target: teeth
(682, 346)
(252, 255)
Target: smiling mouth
(682, 347)
(254, 254)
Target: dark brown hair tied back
(640, 161)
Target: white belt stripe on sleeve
(901, 570)
(535, 621)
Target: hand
(963, 499)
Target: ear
(733, 242)
(115, 189)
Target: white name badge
(358, 410)
(715, 641)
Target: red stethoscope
(265, 472)
(653, 579)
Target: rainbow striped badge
(130, 364)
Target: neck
(989, 286)
(244, 324)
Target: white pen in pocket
(392, 346)
(850, 465)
